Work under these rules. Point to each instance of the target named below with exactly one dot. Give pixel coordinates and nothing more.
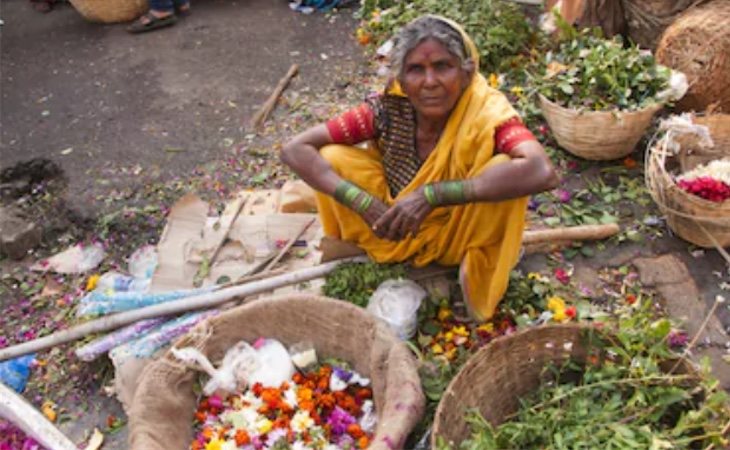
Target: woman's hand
(404, 217)
(375, 211)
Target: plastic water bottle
(119, 282)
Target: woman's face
(433, 79)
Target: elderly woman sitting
(446, 171)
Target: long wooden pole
(577, 233)
(182, 305)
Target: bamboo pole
(263, 113)
(194, 303)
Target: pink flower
(563, 195)
(562, 276)
(707, 188)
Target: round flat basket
(698, 45)
(597, 135)
(509, 368)
(694, 219)
(162, 411)
(110, 11)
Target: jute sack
(161, 416)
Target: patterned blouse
(391, 121)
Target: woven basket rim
(578, 328)
(583, 113)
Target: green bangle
(452, 192)
(365, 203)
(428, 192)
(346, 193)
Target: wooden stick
(289, 245)
(17, 410)
(202, 301)
(263, 113)
(579, 233)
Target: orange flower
(298, 378)
(195, 445)
(307, 405)
(207, 433)
(257, 388)
(326, 401)
(630, 163)
(304, 394)
(281, 422)
(631, 299)
(364, 393)
(242, 437)
(363, 442)
(200, 416)
(355, 431)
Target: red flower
(562, 276)
(631, 299)
(707, 188)
(571, 312)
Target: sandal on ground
(183, 12)
(153, 22)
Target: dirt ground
(114, 110)
(160, 103)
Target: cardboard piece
(297, 197)
(183, 229)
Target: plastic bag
(275, 364)
(15, 372)
(143, 262)
(238, 364)
(397, 302)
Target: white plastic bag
(397, 302)
(275, 364)
(234, 373)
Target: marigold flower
(493, 80)
(363, 442)
(242, 437)
(444, 313)
(631, 299)
(355, 431)
(555, 303)
(215, 444)
(200, 416)
(486, 327)
(364, 393)
(460, 331)
(449, 336)
(263, 426)
(207, 432)
(437, 349)
(304, 394)
(630, 163)
(559, 315)
(196, 445)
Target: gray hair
(421, 29)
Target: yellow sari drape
(484, 238)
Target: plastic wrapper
(143, 262)
(104, 302)
(147, 345)
(98, 347)
(239, 362)
(396, 302)
(15, 372)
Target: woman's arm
(302, 155)
(528, 172)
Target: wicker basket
(597, 135)
(694, 219)
(499, 374)
(110, 11)
(698, 45)
(164, 403)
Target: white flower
(291, 397)
(337, 384)
(718, 169)
(301, 421)
(229, 445)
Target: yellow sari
(485, 237)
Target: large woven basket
(597, 135)
(110, 11)
(698, 45)
(509, 368)
(164, 402)
(690, 217)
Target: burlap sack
(161, 416)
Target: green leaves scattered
(355, 282)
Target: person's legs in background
(161, 14)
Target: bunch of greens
(626, 395)
(589, 72)
(355, 282)
(499, 28)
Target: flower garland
(329, 408)
(710, 181)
